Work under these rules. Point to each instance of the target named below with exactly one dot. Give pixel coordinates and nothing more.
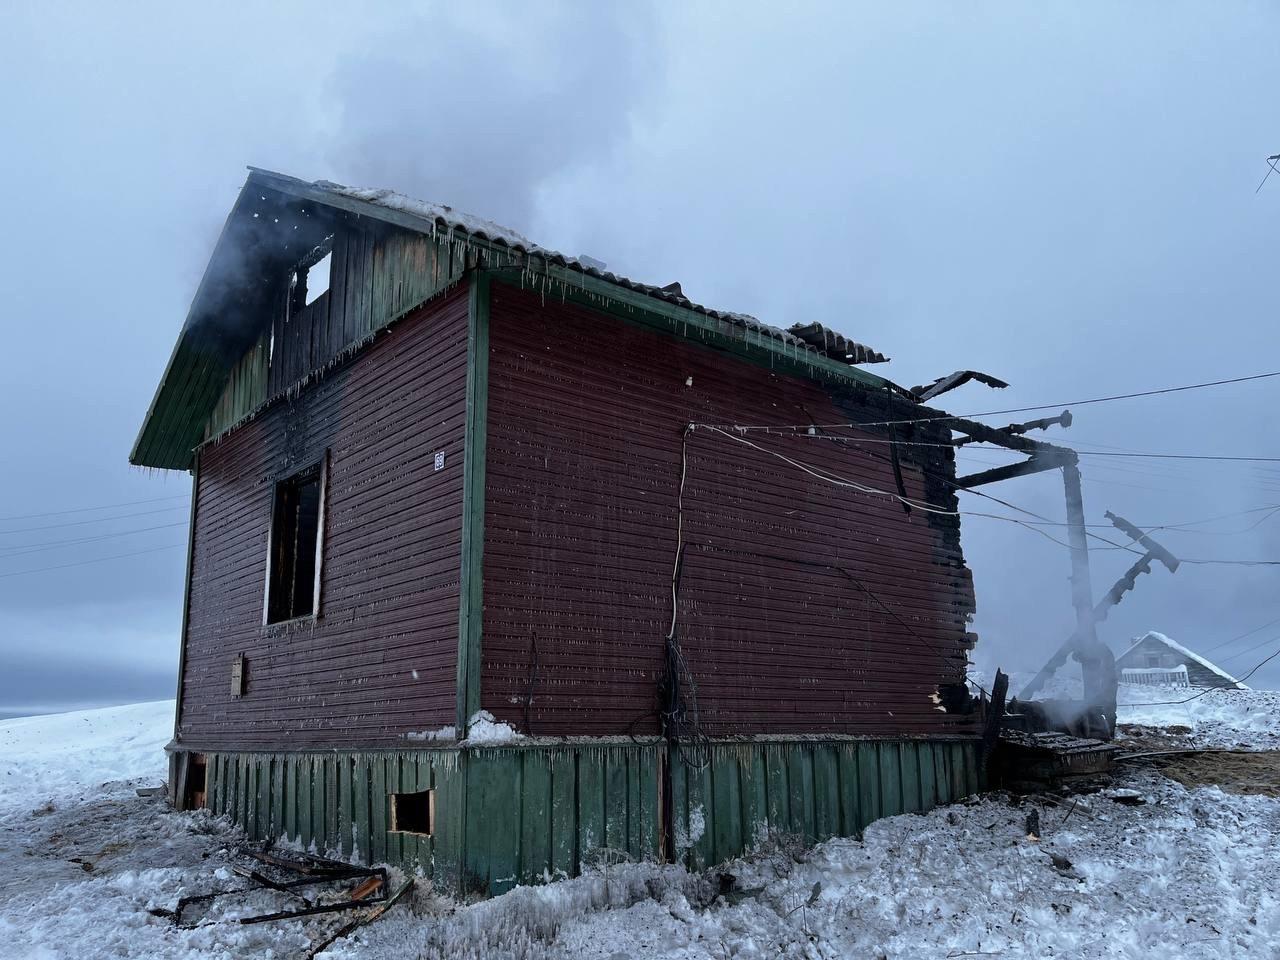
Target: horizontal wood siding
(382, 657)
(376, 277)
(585, 420)
(1198, 675)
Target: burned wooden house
(493, 571)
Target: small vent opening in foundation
(414, 812)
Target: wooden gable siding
(381, 659)
(376, 277)
(1197, 673)
(583, 459)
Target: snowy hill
(63, 754)
(1191, 873)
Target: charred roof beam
(1018, 429)
(952, 380)
(1033, 464)
(975, 432)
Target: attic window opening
(414, 812)
(317, 278)
(309, 280)
(295, 546)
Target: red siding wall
(583, 464)
(382, 658)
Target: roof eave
(143, 443)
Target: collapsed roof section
(278, 220)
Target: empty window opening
(414, 812)
(317, 278)
(293, 576)
(309, 280)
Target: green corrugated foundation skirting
(526, 813)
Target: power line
(1197, 696)
(82, 563)
(828, 476)
(1030, 409)
(1152, 528)
(1247, 633)
(1213, 561)
(1268, 511)
(1127, 396)
(1243, 653)
(1271, 168)
(104, 506)
(1174, 456)
(24, 549)
(792, 428)
(81, 523)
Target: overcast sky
(1062, 195)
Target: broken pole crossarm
(1136, 534)
(1120, 588)
(1126, 583)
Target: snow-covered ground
(66, 754)
(1213, 718)
(1190, 873)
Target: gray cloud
(1061, 196)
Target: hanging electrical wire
(1207, 690)
(81, 523)
(1244, 653)
(677, 690)
(21, 550)
(1030, 409)
(82, 563)
(1238, 637)
(827, 476)
(821, 473)
(104, 506)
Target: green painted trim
(186, 593)
(471, 586)
(688, 324)
(506, 816)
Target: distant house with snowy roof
(1156, 660)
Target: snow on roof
(476, 226)
(1174, 645)
(434, 214)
